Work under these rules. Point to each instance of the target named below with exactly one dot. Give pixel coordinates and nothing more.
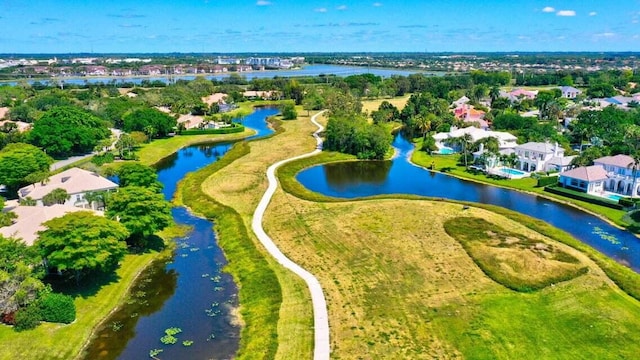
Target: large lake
(309, 70)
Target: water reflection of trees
(357, 172)
(166, 163)
(147, 296)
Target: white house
(620, 174)
(589, 179)
(569, 92)
(537, 156)
(76, 182)
(445, 139)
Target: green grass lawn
(57, 341)
(448, 164)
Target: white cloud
(593, 13)
(263, 3)
(377, 4)
(605, 35)
(320, 10)
(342, 7)
(566, 13)
(548, 9)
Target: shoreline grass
(448, 164)
(57, 341)
(290, 333)
(624, 277)
(259, 289)
(398, 286)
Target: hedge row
(555, 189)
(225, 130)
(547, 180)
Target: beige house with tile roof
(31, 218)
(76, 182)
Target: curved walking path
(320, 317)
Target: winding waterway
(399, 176)
(189, 291)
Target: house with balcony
(538, 156)
(621, 175)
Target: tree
(56, 196)
(135, 174)
(142, 211)
(125, 145)
(463, 141)
(6, 217)
(20, 271)
(18, 161)
(66, 130)
(144, 119)
(81, 242)
(288, 110)
(97, 199)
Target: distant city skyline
(259, 26)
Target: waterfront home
(541, 156)
(447, 139)
(75, 181)
(622, 177)
(30, 219)
(569, 92)
(588, 179)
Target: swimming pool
(613, 197)
(511, 171)
(445, 151)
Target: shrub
(57, 308)
(27, 318)
(103, 159)
(626, 202)
(547, 180)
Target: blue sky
(64, 26)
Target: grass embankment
(159, 149)
(57, 341)
(449, 164)
(624, 277)
(274, 303)
(93, 304)
(398, 286)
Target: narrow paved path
(320, 317)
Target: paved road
(62, 163)
(320, 317)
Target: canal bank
(196, 296)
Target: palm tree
(464, 141)
(494, 93)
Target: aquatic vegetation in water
(116, 326)
(194, 249)
(187, 343)
(169, 338)
(153, 353)
(605, 235)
